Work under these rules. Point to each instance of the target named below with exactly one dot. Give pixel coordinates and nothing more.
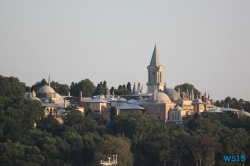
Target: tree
(112, 112)
(101, 89)
(186, 86)
(112, 89)
(178, 139)
(129, 87)
(38, 84)
(141, 130)
(11, 153)
(231, 102)
(199, 143)
(72, 106)
(122, 91)
(107, 147)
(79, 123)
(11, 87)
(86, 86)
(62, 89)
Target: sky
(204, 43)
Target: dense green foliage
(86, 86)
(234, 103)
(101, 89)
(10, 87)
(136, 138)
(187, 87)
(122, 89)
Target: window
(158, 115)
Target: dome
(122, 100)
(161, 97)
(242, 112)
(58, 96)
(46, 89)
(173, 95)
(197, 100)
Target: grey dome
(160, 97)
(46, 89)
(173, 95)
(58, 96)
(46, 92)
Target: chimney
(80, 96)
(68, 93)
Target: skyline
(202, 43)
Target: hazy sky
(205, 43)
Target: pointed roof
(205, 94)
(134, 89)
(49, 79)
(155, 60)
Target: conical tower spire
(138, 88)
(155, 60)
(134, 89)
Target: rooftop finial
(49, 79)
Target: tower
(155, 73)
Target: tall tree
(101, 89)
(11, 87)
(129, 87)
(107, 147)
(186, 86)
(199, 143)
(86, 86)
